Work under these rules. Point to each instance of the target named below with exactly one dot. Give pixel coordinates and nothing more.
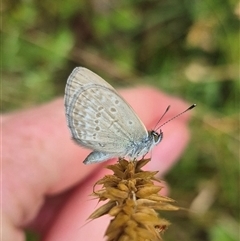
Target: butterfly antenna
(162, 117)
(189, 108)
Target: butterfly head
(156, 137)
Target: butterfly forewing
(97, 116)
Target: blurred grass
(186, 48)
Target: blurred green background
(188, 48)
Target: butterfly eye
(157, 137)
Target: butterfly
(101, 120)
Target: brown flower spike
(134, 203)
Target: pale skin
(45, 185)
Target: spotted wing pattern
(98, 117)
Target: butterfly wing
(98, 117)
(81, 78)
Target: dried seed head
(134, 203)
